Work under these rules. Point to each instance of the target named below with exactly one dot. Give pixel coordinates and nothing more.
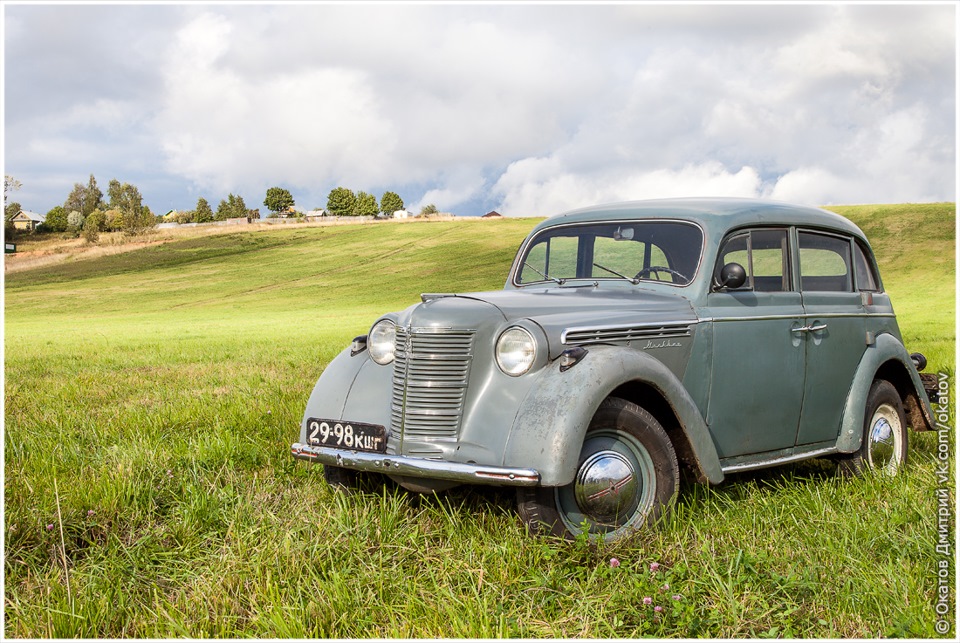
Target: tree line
(232, 207)
(85, 210)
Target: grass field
(151, 398)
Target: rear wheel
(627, 476)
(884, 444)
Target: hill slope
(300, 275)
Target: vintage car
(631, 342)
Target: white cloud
(229, 131)
(540, 187)
(553, 106)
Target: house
(401, 214)
(493, 214)
(26, 220)
(315, 215)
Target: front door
(757, 383)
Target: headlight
(516, 350)
(382, 341)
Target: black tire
(885, 434)
(627, 478)
(350, 481)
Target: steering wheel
(658, 270)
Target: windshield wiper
(560, 282)
(614, 272)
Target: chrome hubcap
(614, 486)
(606, 487)
(885, 444)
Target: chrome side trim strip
(417, 467)
(775, 462)
(797, 316)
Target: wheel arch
(895, 372)
(647, 396)
(888, 360)
(550, 425)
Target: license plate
(355, 436)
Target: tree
(56, 220)
(390, 202)
(9, 185)
(278, 199)
(428, 209)
(75, 222)
(232, 207)
(134, 218)
(12, 210)
(366, 205)
(92, 226)
(113, 219)
(185, 216)
(237, 206)
(341, 202)
(84, 198)
(204, 214)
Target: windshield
(661, 251)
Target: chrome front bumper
(417, 467)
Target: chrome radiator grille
(430, 382)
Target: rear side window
(825, 264)
(866, 276)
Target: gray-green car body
(745, 375)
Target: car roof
(716, 215)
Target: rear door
(835, 335)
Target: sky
(529, 109)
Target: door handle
(809, 329)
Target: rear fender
(890, 356)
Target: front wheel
(884, 444)
(627, 476)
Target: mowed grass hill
(151, 397)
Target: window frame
(851, 268)
(787, 262)
(871, 264)
(551, 231)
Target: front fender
(553, 418)
(332, 397)
(886, 348)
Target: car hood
(555, 310)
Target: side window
(763, 253)
(866, 277)
(825, 263)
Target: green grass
(151, 399)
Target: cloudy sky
(526, 109)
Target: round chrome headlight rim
(382, 342)
(516, 351)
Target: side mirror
(732, 276)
